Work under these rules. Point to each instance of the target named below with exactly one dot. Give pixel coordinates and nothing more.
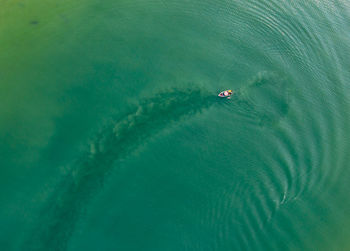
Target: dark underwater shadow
(86, 176)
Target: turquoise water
(112, 137)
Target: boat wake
(264, 101)
(84, 178)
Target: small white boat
(225, 94)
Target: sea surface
(112, 136)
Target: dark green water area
(112, 136)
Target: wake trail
(86, 177)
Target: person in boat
(228, 93)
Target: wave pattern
(304, 157)
(301, 103)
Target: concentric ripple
(264, 170)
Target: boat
(225, 94)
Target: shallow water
(112, 137)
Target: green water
(112, 137)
